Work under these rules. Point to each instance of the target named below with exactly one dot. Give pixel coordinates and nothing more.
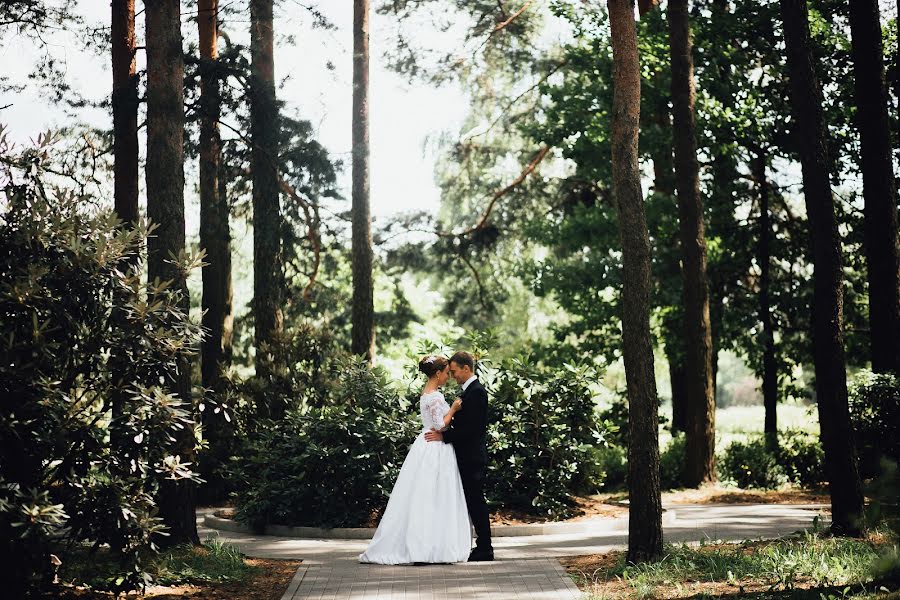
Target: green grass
(211, 562)
(838, 567)
(739, 423)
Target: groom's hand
(434, 436)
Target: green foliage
(542, 428)
(611, 465)
(801, 456)
(875, 413)
(672, 463)
(783, 564)
(751, 465)
(88, 422)
(331, 464)
(213, 561)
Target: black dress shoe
(479, 555)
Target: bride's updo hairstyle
(432, 364)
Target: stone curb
(366, 533)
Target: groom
(468, 434)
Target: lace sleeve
(436, 409)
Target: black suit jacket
(468, 432)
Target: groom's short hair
(464, 359)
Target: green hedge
(799, 459)
(335, 463)
(875, 415)
(541, 438)
(87, 422)
(329, 465)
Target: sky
(403, 116)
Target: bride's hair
(432, 364)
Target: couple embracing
(439, 494)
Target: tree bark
(645, 507)
(165, 208)
(268, 268)
(809, 135)
(363, 309)
(700, 440)
(125, 111)
(764, 254)
(215, 240)
(876, 163)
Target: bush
(802, 458)
(86, 427)
(875, 415)
(751, 465)
(671, 463)
(330, 465)
(612, 466)
(540, 437)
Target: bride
(426, 519)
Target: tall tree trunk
(878, 185)
(828, 327)
(701, 409)
(125, 111)
(215, 239)
(165, 208)
(363, 311)
(764, 254)
(125, 165)
(645, 507)
(268, 269)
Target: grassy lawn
(213, 571)
(740, 422)
(807, 566)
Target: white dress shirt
(468, 382)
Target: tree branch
(500, 193)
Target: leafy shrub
(329, 465)
(671, 463)
(616, 417)
(612, 466)
(540, 437)
(875, 415)
(86, 426)
(801, 456)
(751, 465)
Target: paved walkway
(526, 567)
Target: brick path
(530, 579)
(526, 568)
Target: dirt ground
(267, 582)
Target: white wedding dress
(426, 519)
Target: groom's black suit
(468, 434)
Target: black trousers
(473, 487)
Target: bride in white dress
(426, 519)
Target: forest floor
(210, 572)
(805, 566)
